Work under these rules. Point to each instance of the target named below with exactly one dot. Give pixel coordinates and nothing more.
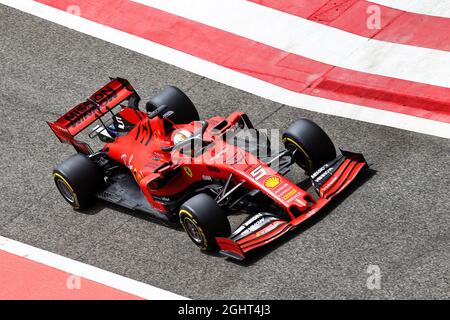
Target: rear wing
(82, 115)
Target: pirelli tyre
(182, 108)
(204, 220)
(313, 148)
(78, 179)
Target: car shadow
(259, 253)
(100, 205)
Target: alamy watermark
(74, 9)
(374, 280)
(374, 18)
(73, 282)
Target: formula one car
(168, 163)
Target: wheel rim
(299, 157)
(65, 191)
(193, 231)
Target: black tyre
(179, 103)
(78, 179)
(313, 148)
(203, 220)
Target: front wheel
(204, 220)
(311, 145)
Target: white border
(230, 77)
(86, 271)
(212, 71)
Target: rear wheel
(313, 148)
(177, 102)
(204, 220)
(78, 179)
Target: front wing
(262, 228)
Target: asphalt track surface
(398, 217)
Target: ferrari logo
(188, 171)
(272, 182)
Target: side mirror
(158, 111)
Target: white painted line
(438, 8)
(313, 40)
(230, 77)
(86, 271)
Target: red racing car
(168, 163)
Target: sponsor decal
(268, 228)
(207, 178)
(272, 182)
(323, 175)
(104, 96)
(253, 219)
(250, 226)
(79, 113)
(119, 123)
(127, 160)
(100, 99)
(328, 184)
(166, 199)
(315, 174)
(258, 173)
(282, 189)
(188, 171)
(288, 195)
